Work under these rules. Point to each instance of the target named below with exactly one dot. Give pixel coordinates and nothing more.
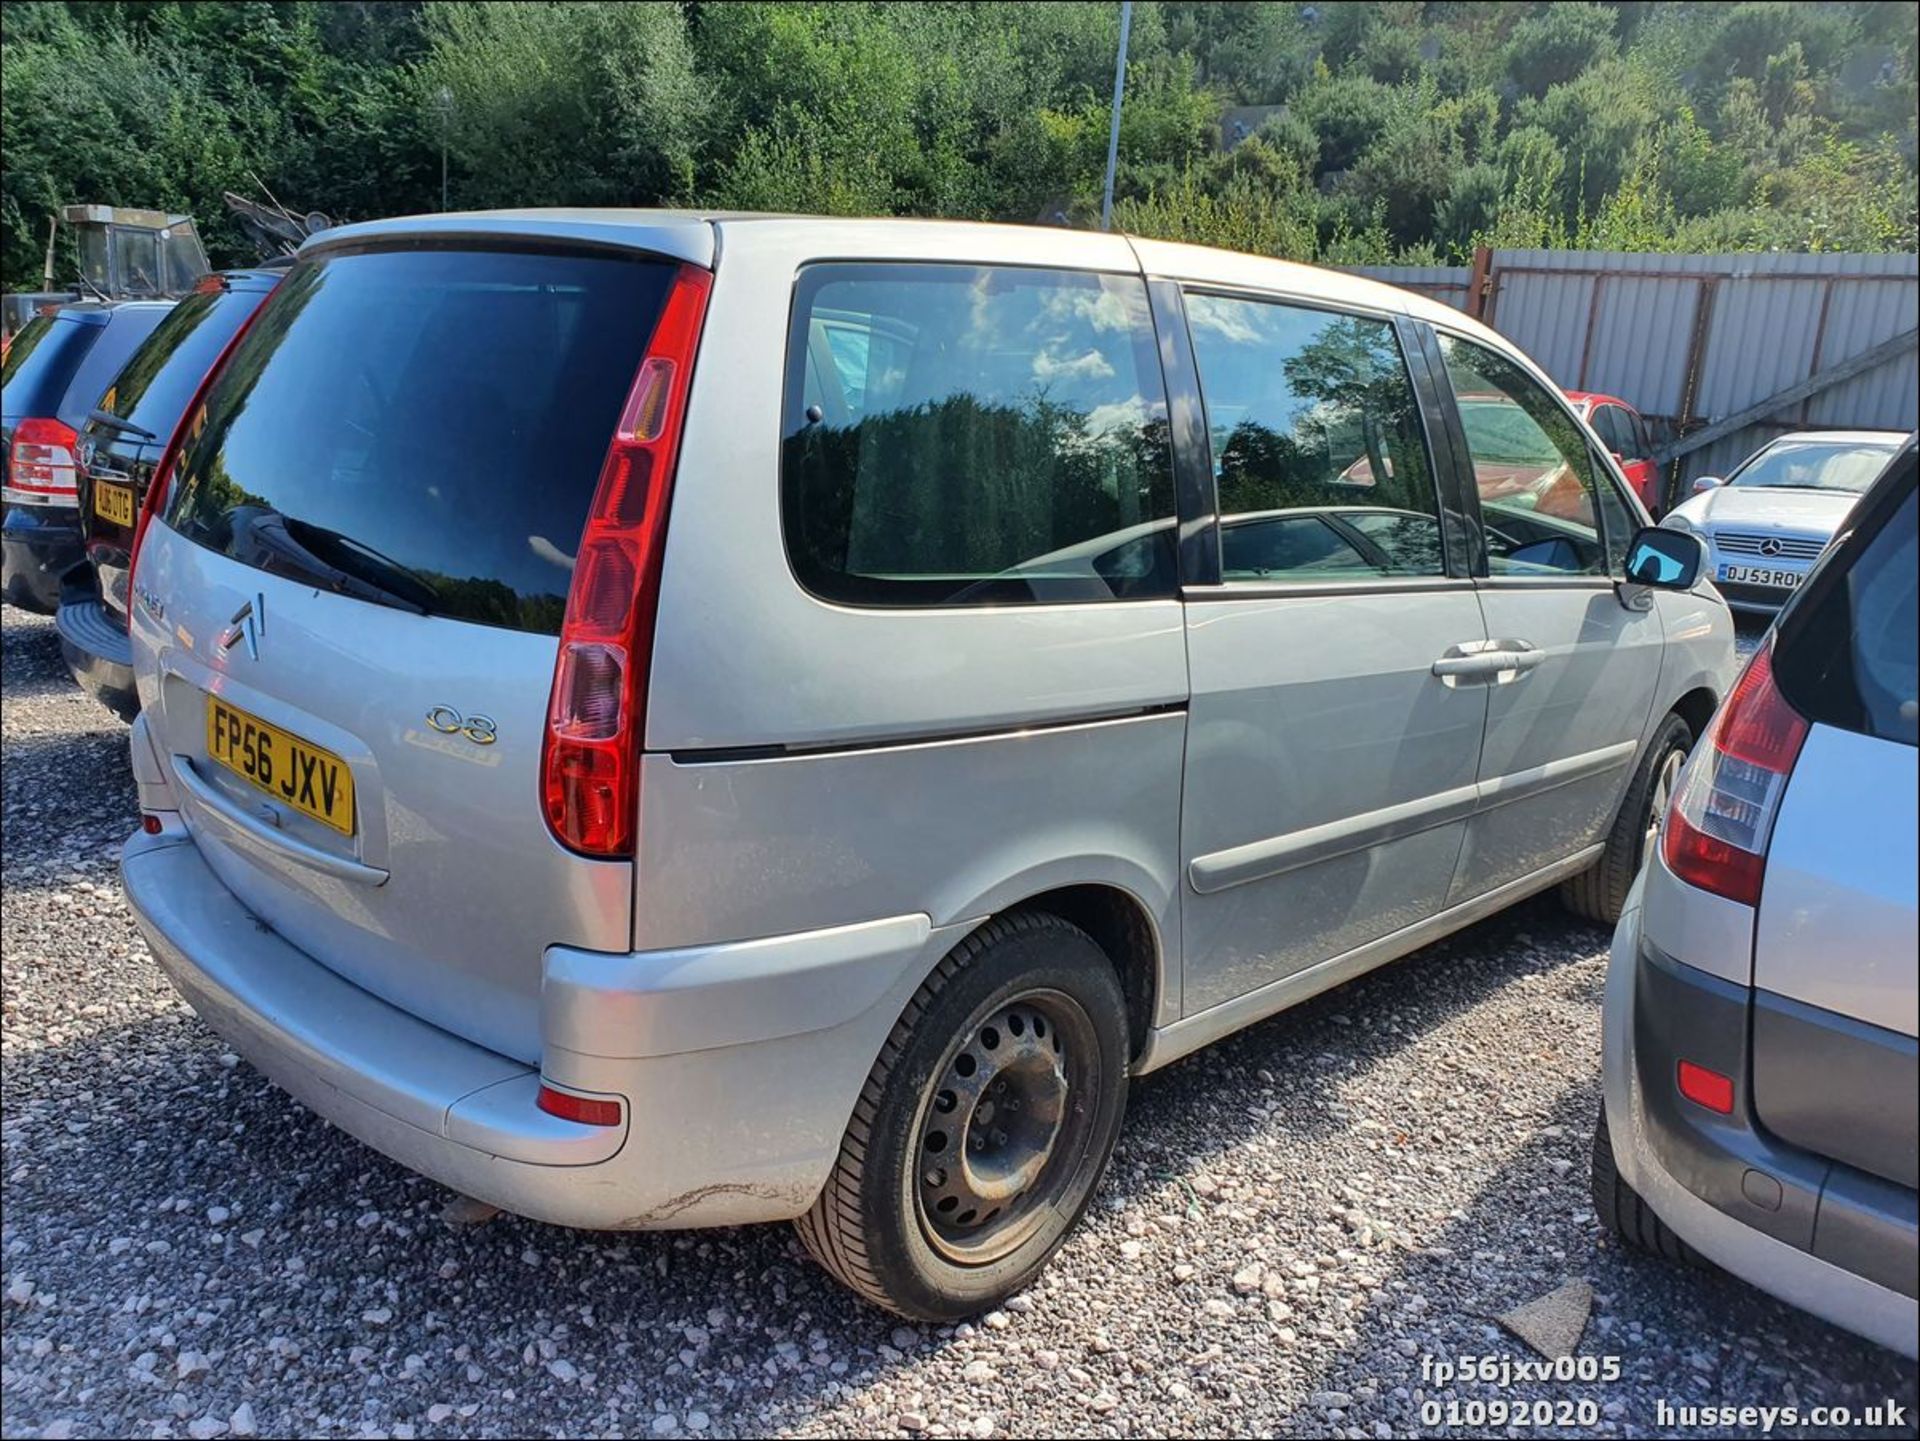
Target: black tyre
(1624, 1213)
(1599, 892)
(984, 1126)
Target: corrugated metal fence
(1696, 340)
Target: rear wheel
(1599, 892)
(1622, 1211)
(984, 1125)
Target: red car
(1623, 432)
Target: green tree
(1559, 44)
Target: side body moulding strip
(1277, 855)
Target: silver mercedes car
(1767, 523)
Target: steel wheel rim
(1004, 1126)
(1664, 781)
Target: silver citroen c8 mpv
(663, 720)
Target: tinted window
(126, 329)
(1610, 423)
(41, 363)
(1531, 467)
(1854, 659)
(1318, 454)
(424, 428)
(161, 377)
(960, 435)
(1637, 435)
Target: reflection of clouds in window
(549, 552)
(1119, 417)
(982, 332)
(1105, 309)
(1090, 365)
(1231, 320)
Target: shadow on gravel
(30, 663)
(65, 797)
(1530, 1230)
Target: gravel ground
(1294, 1220)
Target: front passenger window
(1318, 452)
(1530, 465)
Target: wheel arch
(1696, 708)
(1123, 928)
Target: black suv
(57, 368)
(120, 446)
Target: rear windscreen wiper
(272, 532)
(114, 422)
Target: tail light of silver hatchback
(1722, 817)
(596, 715)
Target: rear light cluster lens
(44, 467)
(1716, 835)
(596, 716)
(1706, 1088)
(587, 1110)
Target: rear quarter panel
(1838, 926)
(962, 758)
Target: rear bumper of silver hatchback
(735, 1066)
(1740, 1197)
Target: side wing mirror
(1705, 483)
(1665, 559)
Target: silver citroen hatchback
(661, 720)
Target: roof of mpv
(694, 236)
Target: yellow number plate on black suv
(115, 502)
(298, 773)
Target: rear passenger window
(1318, 454)
(964, 435)
(1531, 467)
(1854, 660)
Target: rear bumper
(737, 1065)
(1817, 1234)
(98, 651)
(38, 545)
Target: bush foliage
(1398, 130)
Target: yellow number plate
(115, 502)
(298, 773)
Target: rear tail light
(43, 467)
(596, 716)
(192, 421)
(1722, 818)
